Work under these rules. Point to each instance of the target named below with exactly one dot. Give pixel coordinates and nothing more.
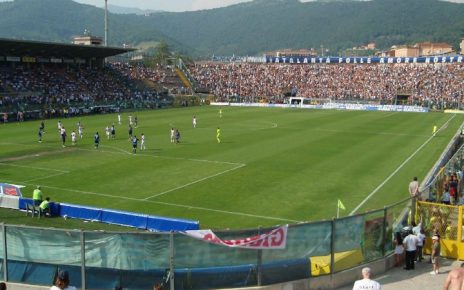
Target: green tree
(162, 54)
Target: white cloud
(209, 4)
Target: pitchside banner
(274, 239)
(10, 189)
(310, 60)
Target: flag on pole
(340, 205)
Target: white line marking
(256, 125)
(117, 148)
(33, 167)
(399, 167)
(121, 151)
(273, 126)
(168, 204)
(371, 133)
(46, 177)
(194, 182)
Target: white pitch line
(194, 182)
(273, 126)
(226, 212)
(117, 148)
(167, 203)
(45, 177)
(399, 168)
(121, 151)
(34, 167)
(371, 133)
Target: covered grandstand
(44, 80)
(25, 51)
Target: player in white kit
(142, 142)
(173, 135)
(80, 131)
(73, 138)
(107, 132)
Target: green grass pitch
(273, 166)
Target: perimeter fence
(103, 260)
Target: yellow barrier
(447, 221)
(320, 265)
(184, 80)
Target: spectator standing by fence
(420, 245)
(435, 255)
(410, 245)
(414, 188)
(399, 249)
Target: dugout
(402, 98)
(296, 101)
(25, 52)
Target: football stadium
(274, 171)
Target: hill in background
(248, 28)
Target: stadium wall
(122, 218)
(332, 106)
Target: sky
(166, 5)
(176, 5)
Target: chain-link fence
(97, 260)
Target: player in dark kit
(134, 144)
(63, 136)
(130, 132)
(113, 132)
(40, 134)
(96, 139)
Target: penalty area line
(45, 177)
(34, 167)
(116, 151)
(399, 167)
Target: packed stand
(430, 85)
(162, 76)
(58, 91)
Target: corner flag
(340, 205)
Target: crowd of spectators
(430, 85)
(60, 90)
(57, 91)
(162, 76)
